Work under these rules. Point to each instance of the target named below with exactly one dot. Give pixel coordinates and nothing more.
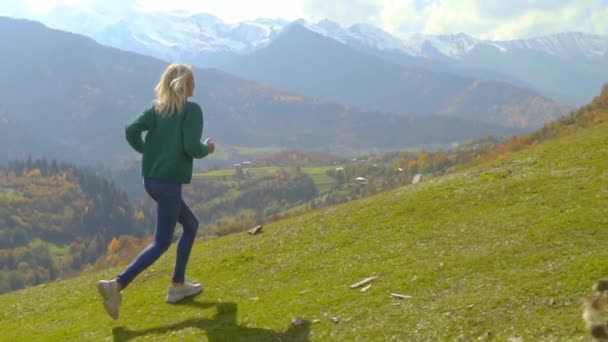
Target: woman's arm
(192, 128)
(133, 131)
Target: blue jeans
(170, 209)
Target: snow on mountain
(459, 45)
(360, 35)
(568, 43)
(453, 46)
(375, 37)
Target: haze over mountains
(569, 67)
(74, 97)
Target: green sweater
(171, 142)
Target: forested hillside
(55, 219)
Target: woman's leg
(168, 206)
(189, 223)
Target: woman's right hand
(210, 145)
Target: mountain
(308, 63)
(505, 250)
(81, 94)
(206, 40)
(567, 66)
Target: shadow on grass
(223, 327)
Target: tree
(424, 161)
(34, 173)
(412, 165)
(113, 246)
(440, 160)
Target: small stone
(400, 296)
(552, 302)
(335, 319)
(297, 321)
(485, 336)
(255, 230)
(363, 282)
(601, 286)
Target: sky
(486, 19)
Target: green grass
(55, 250)
(255, 171)
(323, 182)
(10, 195)
(501, 250)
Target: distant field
(232, 152)
(10, 195)
(321, 179)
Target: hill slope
(502, 250)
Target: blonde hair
(172, 89)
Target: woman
(174, 128)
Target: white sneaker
(112, 297)
(177, 293)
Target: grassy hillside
(503, 250)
